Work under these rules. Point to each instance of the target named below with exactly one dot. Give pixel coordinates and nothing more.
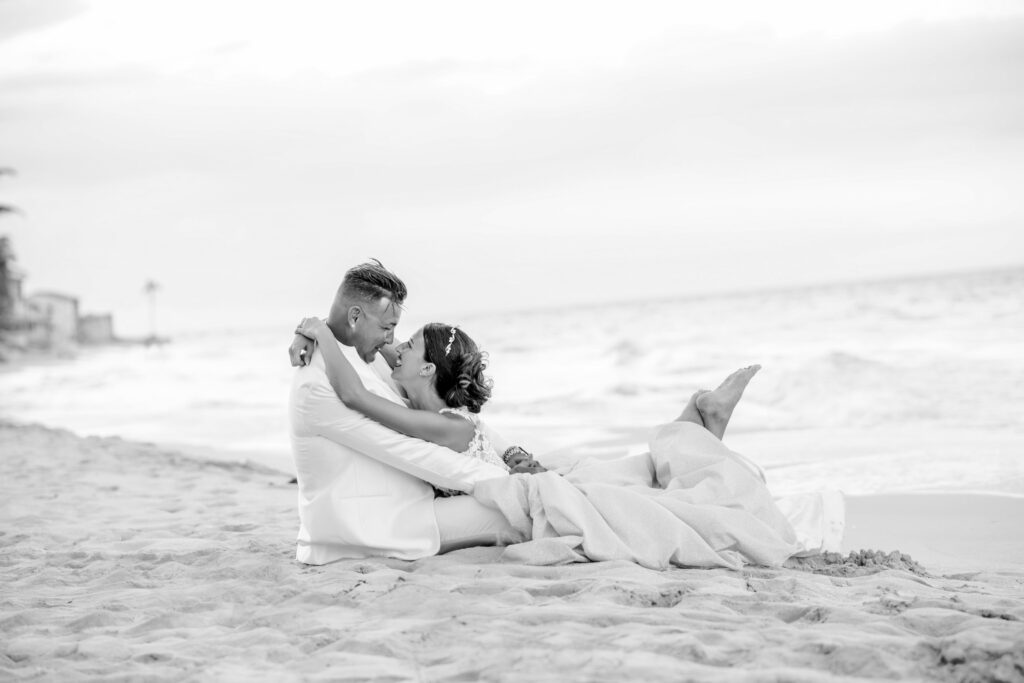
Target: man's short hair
(371, 281)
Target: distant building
(61, 314)
(24, 326)
(96, 328)
(49, 320)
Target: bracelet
(512, 451)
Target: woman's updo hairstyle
(459, 379)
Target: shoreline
(945, 532)
(128, 560)
(14, 358)
(607, 447)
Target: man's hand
(301, 351)
(521, 462)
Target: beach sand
(125, 561)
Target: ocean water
(903, 385)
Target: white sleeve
(326, 416)
(499, 442)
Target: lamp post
(150, 288)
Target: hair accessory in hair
(451, 340)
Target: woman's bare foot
(690, 412)
(715, 407)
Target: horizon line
(772, 289)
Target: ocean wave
(923, 354)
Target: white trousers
(465, 522)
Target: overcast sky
(244, 154)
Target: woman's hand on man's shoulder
(301, 349)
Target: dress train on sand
(689, 502)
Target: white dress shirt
(363, 488)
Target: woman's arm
(451, 431)
(301, 350)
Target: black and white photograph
(534, 341)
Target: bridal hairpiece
(451, 339)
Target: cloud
(693, 103)
(18, 17)
(779, 144)
(51, 80)
(723, 109)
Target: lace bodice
(479, 446)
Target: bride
(719, 512)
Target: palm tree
(6, 265)
(5, 208)
(150, 288)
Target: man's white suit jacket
(363, 488)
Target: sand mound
(857, 563)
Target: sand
(125, 561)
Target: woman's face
(410, 359)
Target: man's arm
(326, 416)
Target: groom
(364, 489)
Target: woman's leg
(715, 407)
(690, 412)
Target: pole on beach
(150, 288)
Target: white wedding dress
(689, 502)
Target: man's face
(375, 327)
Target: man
(365, 490)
